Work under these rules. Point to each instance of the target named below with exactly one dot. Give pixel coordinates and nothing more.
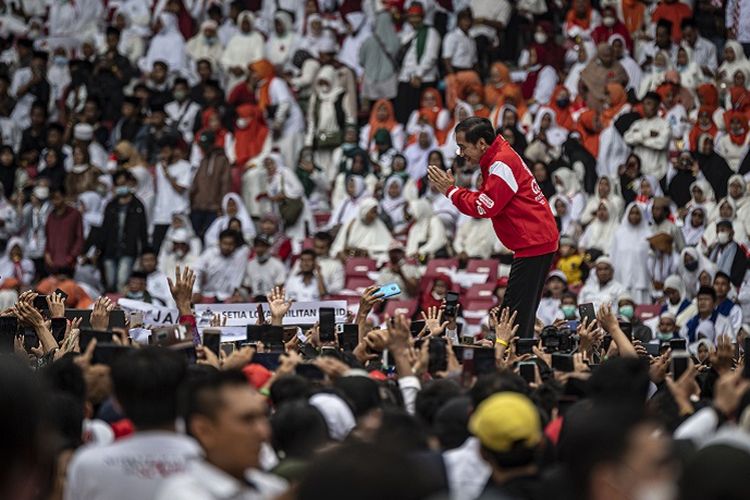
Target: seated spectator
(217, 275)
(365, 234)
(601, 288)
(727, 254)
(427, 237)
(307, 284)
(401, 272)
(707, 323)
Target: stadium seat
(405, 307)
(359, 266)
(480, 292)
(479, 305)
(647, 311)
(439, 266)
(358, 283)
(321, 218)
(488, 266)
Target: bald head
(606, 54)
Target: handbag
(290, 209)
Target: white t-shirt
(297, 290)
(169, 201)
(203, 481)
(460, 48)
(132, 467)
(261, 278)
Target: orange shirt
(675, 13)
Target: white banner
(152, 314)
(301, 313)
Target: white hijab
(422, 230)
(740, 63)
(349, 206)
(168, 46)
(416, 157)
(693, 235)
(630, 250)
(222, 222)
(281, 48)
(555, 134)
(690, 278)
(599, 234)
(394, 206)
(375, 237)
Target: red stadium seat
(647, 311)
(488, 266)
(321, 218)
(405, 307)
(479, 305)
(480, 292)
(359, 266)
(439, 266)
(358, 283)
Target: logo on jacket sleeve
(486, 200)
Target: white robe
(629, 255)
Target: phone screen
(327, 317)
(587, 311)
(58, 327)
(438, 360)
(562, 362)
(309, 371)
(212, 340)
(484, 361)
(451, 305)
(416, 327)
(349, 337)
(528, 371)
(678, 345)
(679, 364)
(525, 346)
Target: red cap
(415, 10)
(256, 375)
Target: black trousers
(409, 99)
(525, 285)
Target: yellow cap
(506, 418)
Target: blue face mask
(60, 61)
(122, 191)
(627, 311)
(210, 40)
(664, 335)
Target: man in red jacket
(520, 214)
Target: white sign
(152, 314)
(228, 333)
(301, 313)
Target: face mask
(563, 102)
(664, 335)
(60, 61)
(627, 311)
(263, 258)
(179, 253)
(722, 238)
(135, 295)
(608, 21)
(210, 40)
(348, 146)
(122, 191)
(540, 37)
(569, 311)
(242, 122)
(691, 266)
(436, 296)
(180, 95)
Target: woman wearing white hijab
(734, 60)
(366, 232)
(427, 234)
(691, 265)
(545, 137)
(726, 209)
(737, 190)
(314, 35)
(630, 249)
(167, 45)
(691, 74)
(417, 154)
(181, 226)
(393, 203)
(606, 190)
(701, 193)
(561, 209)
(683, 309)
(655, 77)
(348, 208)
(462, 111)
(327, 114)
(283, 42)
(586, 52)
(601, 230)
(567, 184)
(14, 264)
(283, 183)
(232, 207)
(244, 48)
(695, 226)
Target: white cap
(83, 132)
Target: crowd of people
(184, 152)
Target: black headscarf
(8, 173)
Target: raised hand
(56, 305)
(432, 320)
(100, 315)
(182, 290)
(279, 305)
(505, 327)
(369, 298)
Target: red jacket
(511, 197)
